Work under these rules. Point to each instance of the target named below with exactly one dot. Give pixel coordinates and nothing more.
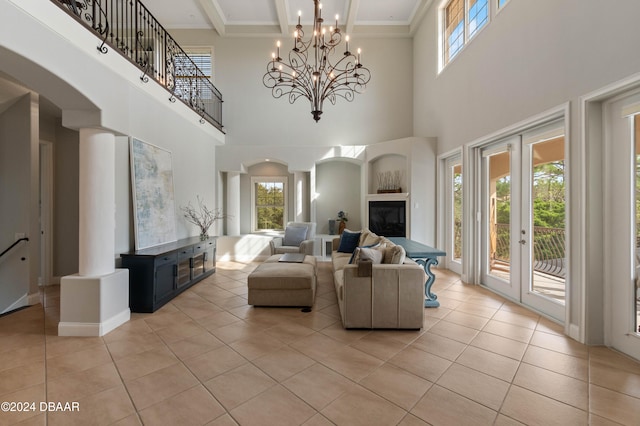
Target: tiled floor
(208, 358)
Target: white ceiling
(255, 17)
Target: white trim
(443, 164)
(592, 125)
(473, 245)
(468, 38)
(633, 109)
(33, 299)
(86, 329)
(46, 154)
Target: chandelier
(311, 72)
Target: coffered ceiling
(269, 17)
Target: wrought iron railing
(548, 248)
(130, 29)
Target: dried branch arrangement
(203, 217)
(389, 181)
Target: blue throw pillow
(294, 235)
(348, 241)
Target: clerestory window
(461, 20)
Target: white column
(233, 203)
(97, 203)
(299, 197)
(96, 299)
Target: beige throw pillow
(394, 255)
(368, 238)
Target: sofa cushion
(368, 238)
(340, 260)
(294, 235)
(349, 241)
(394, 255)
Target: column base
(93, 306)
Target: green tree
(270, 205)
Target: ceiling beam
(351, 15)
(283, 20)
(212, 11)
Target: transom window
(269, 196)
(461, 19)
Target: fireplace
(388, 218)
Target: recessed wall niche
(387, 167)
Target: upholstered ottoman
(275, 283)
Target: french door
(622, 224)
(523, 215)
(453, 213)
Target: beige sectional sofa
(378, 295)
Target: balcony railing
(126, 26)
(548, 248)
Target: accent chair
(299, 237)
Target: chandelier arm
(308, 70)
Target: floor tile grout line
(589, 359)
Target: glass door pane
(500, 217)
(457, 212)
(499, 214)
(453, 213)
(621, 214)
(547, 203)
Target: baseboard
(34, 299)
(78, 329)
(93, 329)
(241, 258)
(574, 332)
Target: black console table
(158, 274)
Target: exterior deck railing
(548, 248)
(126, 26)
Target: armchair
(299, 237)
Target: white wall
(253, 117)
(65, 204)
(19, 147)
(338, 188)
(532, 57)
(44, 49)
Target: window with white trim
(461, 20)
(269, 203)
(185, 81)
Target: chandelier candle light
(311, 72)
